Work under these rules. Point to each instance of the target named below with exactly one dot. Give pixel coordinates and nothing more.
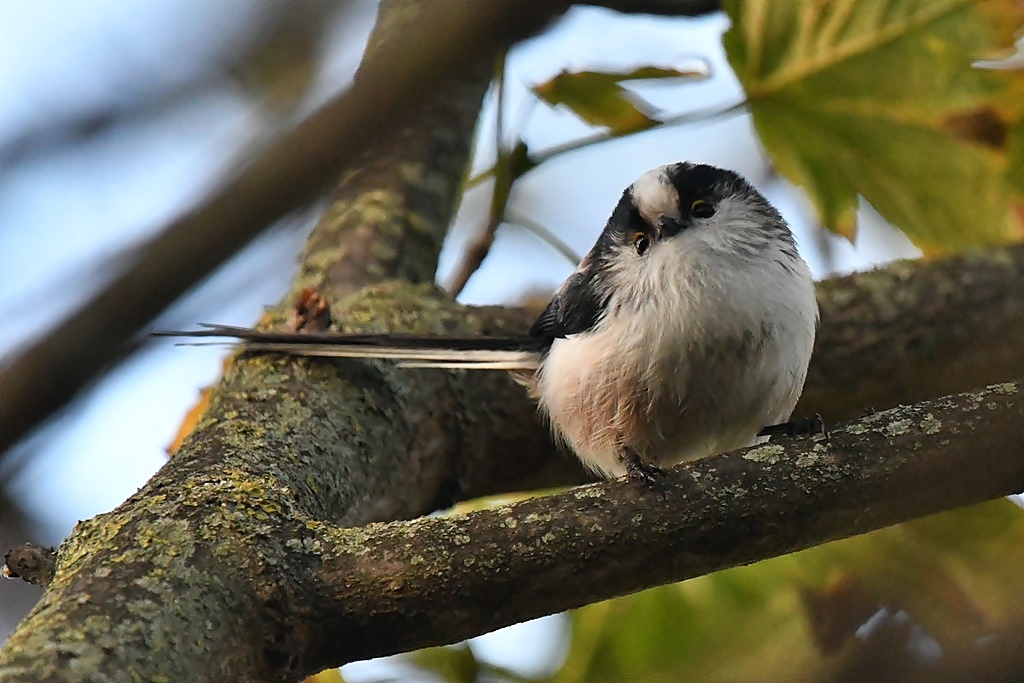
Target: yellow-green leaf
(598, 98)
(880, 98)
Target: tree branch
(292, 171)
(666, 8)
(914, 330)
(32, 563)
(382, 585)
(272, 591)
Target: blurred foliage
(878, 98)
(852, 98)
(921, 598)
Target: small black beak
(670, 227)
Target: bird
(686, 331)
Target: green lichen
(899, 427)
(856, 429)
(1005, 389)
(810, 459)
(767, 454)
(930, 424)
(537, 518)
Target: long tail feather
(475, 353)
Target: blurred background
(117, 116)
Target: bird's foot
(639, 470)
(803, 426)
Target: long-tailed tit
(685, 331)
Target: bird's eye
(702, 209)
(641, 242)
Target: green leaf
(880, 98)
(598, 98)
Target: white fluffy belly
(604, 393)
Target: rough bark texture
(234, 562)
(217, 572)
(392, 587)
(916, 330)
(32, 563)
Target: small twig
(480, 245)
(679, 120)
(32, 563)
(548, 237)
(536, 159)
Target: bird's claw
(639, 470)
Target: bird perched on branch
(685, 331)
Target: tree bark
(234, 562)
(214, 573)
(395, 587)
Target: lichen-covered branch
(390, 212)
(915, 330)
(388, 588)
(218, 575)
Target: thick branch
(292, 171)
(389, 214)
(517, 562)
(257, 547)
(914, 330)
